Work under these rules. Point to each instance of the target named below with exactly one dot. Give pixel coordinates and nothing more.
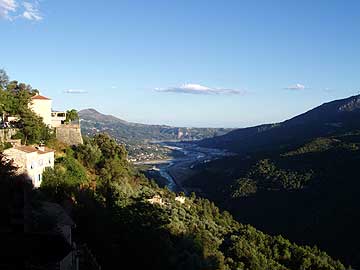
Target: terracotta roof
(31, 149)
(26, 149)
(40, 97)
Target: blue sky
(185, 63)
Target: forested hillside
(109, 203)
(129, 222)
(130, 133)
(336, 117)
(308, 192)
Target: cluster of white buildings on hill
(33, 160)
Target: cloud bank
(12, 10)
(297, 86)
(191, 88)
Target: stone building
(42, 106)
(65, 132)
(31, 161)
(58, 119)
(156, 200)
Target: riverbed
(177, 170)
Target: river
(171, 182)
(177, 170)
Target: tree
(113, 181)
(243, 187)
(64, 180)
(71, 115)
(88, 153)
(109, 147)
(4, 79)
(6, 103)
(33, 130)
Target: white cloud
(113, 87)
(12, 9)
(191, 88)
(31, 11)
(6, 8)
(297, 86)
(75, 91)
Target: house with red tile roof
(31, 160)
(42, 106)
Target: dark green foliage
(322, 144)
(71, 115)
(110, 149)
(33, 130)
(243, 187)
(308, 193)
(18, 97)
(14, 101)
(89, 153)
(65, 180)
(252, 250)
(114, 218)
(269, 177)
(4, 146)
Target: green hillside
(109, 203)
(309, 193)
(130, 133)
(335, 117)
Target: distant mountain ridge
(326, 119)
(94, 115)
(128, 132)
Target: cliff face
(69, 134)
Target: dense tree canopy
(307, 192)
(15, 98)
(71, 115)
(110, 198)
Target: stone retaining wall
(5, 134)
(69, 134)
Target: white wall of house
(57, 119)
(42, 107)
(31, 163)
